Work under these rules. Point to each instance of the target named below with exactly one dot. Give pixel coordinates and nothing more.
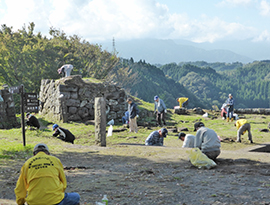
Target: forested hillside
(144, 81)
(26, 58)
(249, 83)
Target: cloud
(265, 8)
(234, 3)
(105, 19)
(264, 36)
(99, 20)
(208, 29)
(18, 14)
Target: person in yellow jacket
(42, 181)
(242, 126)
(183, 102)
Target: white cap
(41, 145)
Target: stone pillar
(100, 121)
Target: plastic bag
(199, 159)
(110, 130)
(205, 114)
(111, 122)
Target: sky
(102, 20)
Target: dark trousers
(161, 116)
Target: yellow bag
(199, 159)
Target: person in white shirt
(188, 140)
(66, 69)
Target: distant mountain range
(157, 51)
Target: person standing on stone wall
(160, 110)
(65, 69)
(133, 115)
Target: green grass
(11, 140)
(92, 80)
(11, 150)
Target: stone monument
(100, 121)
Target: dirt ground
(241, 177)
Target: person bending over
(156, 138)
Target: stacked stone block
(72, 99)
(7, 111)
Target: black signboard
(15, 89)
(31, 102)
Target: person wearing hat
(160, 110)
(42, 180)
(183, 102)
(64, 134)
(242, 126)
(207, 141)
(32, 121)
(156, 138)
(188, 140)
(230, 104)
(133, 115)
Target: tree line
(26, 58)
(248, 83)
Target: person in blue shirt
(230, 104)
(160, 110)
(156, 138)
(125, 118)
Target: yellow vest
(42, 180)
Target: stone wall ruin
(72, 99)
(7, 111)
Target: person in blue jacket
(125, 118)
(156, 138)
(160, 110)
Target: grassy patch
(11, 150)
(11, 140)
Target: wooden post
(22, 114)
(100, 121)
